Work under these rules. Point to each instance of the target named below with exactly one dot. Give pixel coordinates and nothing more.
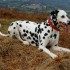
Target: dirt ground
(16, 56)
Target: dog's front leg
(57, 48)
(47, 51)
(43, 43)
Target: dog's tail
(2, 33)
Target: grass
(5, 23)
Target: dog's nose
(68, 22)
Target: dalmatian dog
(44, 35)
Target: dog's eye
(62, 16)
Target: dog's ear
(54, 12)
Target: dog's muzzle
(68, 22)
(64, 25)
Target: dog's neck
(54, 24)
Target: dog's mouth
(65, 26)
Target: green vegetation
(5, 23)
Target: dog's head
(60, 17)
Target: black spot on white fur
(56, 44)
(36, 36)
(47, 24)
(45, 27)
(25, 34)
(32, 34)
(23, 30)
(20, 25)
(44, 37)
(8, 32)
(45, 34)
(36, 29)
(14, 27)
(26, 31)
(17, 23)
(28, 37)
(51, 36)
(27, 21)
(55, 35)
(32, 42)
(11, 24)
(36, 40)
(48, 31)
(14, 33)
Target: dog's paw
(54, 56)
(25, 42)
(67, 50)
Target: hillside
(14, 55)
(13, 14)
(35, 5)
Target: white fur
(60, 19)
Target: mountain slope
(35, 4)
